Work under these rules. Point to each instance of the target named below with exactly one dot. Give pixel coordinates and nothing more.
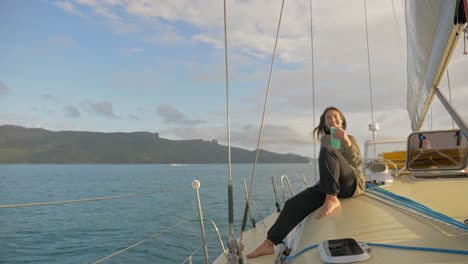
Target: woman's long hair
(321, 129)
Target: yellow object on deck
(397, 157)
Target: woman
(340, 177)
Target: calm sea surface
(86, 232)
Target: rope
(425, 249)
(144, 240)
(413, 206)
(163, 189)
(244, 221)
(304, 250)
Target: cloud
(341, 75)
(111, 15)
(251, 25)
(133, 117)
(69, 7)
(71, 112)
(4, 89)
(173, 116)
(167, 35)
(133, 51)
(49, 97)
(103, 108)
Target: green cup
(335, 142)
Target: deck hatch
(430, 151)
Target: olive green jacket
(353, 156)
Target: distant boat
(178, 164)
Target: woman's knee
(292, 202)
(327, 152)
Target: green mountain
(36, 145)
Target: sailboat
(414, 208)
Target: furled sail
(433, 30)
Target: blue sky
(158, 66)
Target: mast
(233, 256)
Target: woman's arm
(352, 153)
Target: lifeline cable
(163, 189)
(146, 239)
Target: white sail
(432, 37)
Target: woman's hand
(341, 133)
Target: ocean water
(165, 219)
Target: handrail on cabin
(371, 142)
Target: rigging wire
(399, 34)
(369, 69)
(313, 87)
(163, 189)
(450, 94)
(256, 208)
(244, 221)
(146, 239)
(230, 193)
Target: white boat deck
(369, 220)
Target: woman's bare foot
(331, 203)
(265, 248)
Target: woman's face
(333, 119)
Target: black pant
(336, 177)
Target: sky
(159, 66)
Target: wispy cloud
(111, 14)
(133, 117)
(171, 115)
(49, 97)
(133, 51)
(168, 35)
(69, 7)
(71, 112)
(4, 89)
(102, 108)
